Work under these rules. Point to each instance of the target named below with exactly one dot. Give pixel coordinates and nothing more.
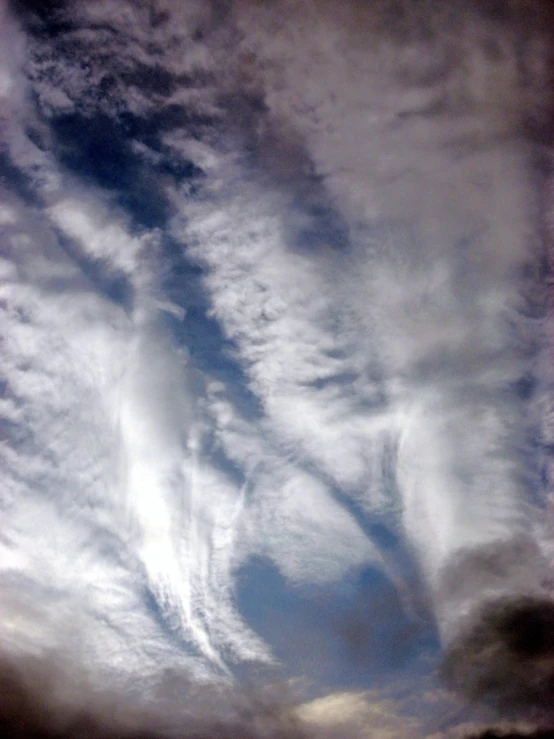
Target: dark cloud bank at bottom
(505, 657)
(39, 700)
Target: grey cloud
(506, 654)
(45, 699)
(512, 734)
(490, 567)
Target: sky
(275, 365)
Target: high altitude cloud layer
(272, 308)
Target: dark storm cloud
(494, 734)
(510, 732)
(506, 655)
(502, 651)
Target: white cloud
(98, 230)
(434, 181)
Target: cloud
(505, 655)
(512, 733)
(427, 313)
(272, 286)
(53, 697)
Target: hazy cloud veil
(273, 318)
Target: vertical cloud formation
(426, 128)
